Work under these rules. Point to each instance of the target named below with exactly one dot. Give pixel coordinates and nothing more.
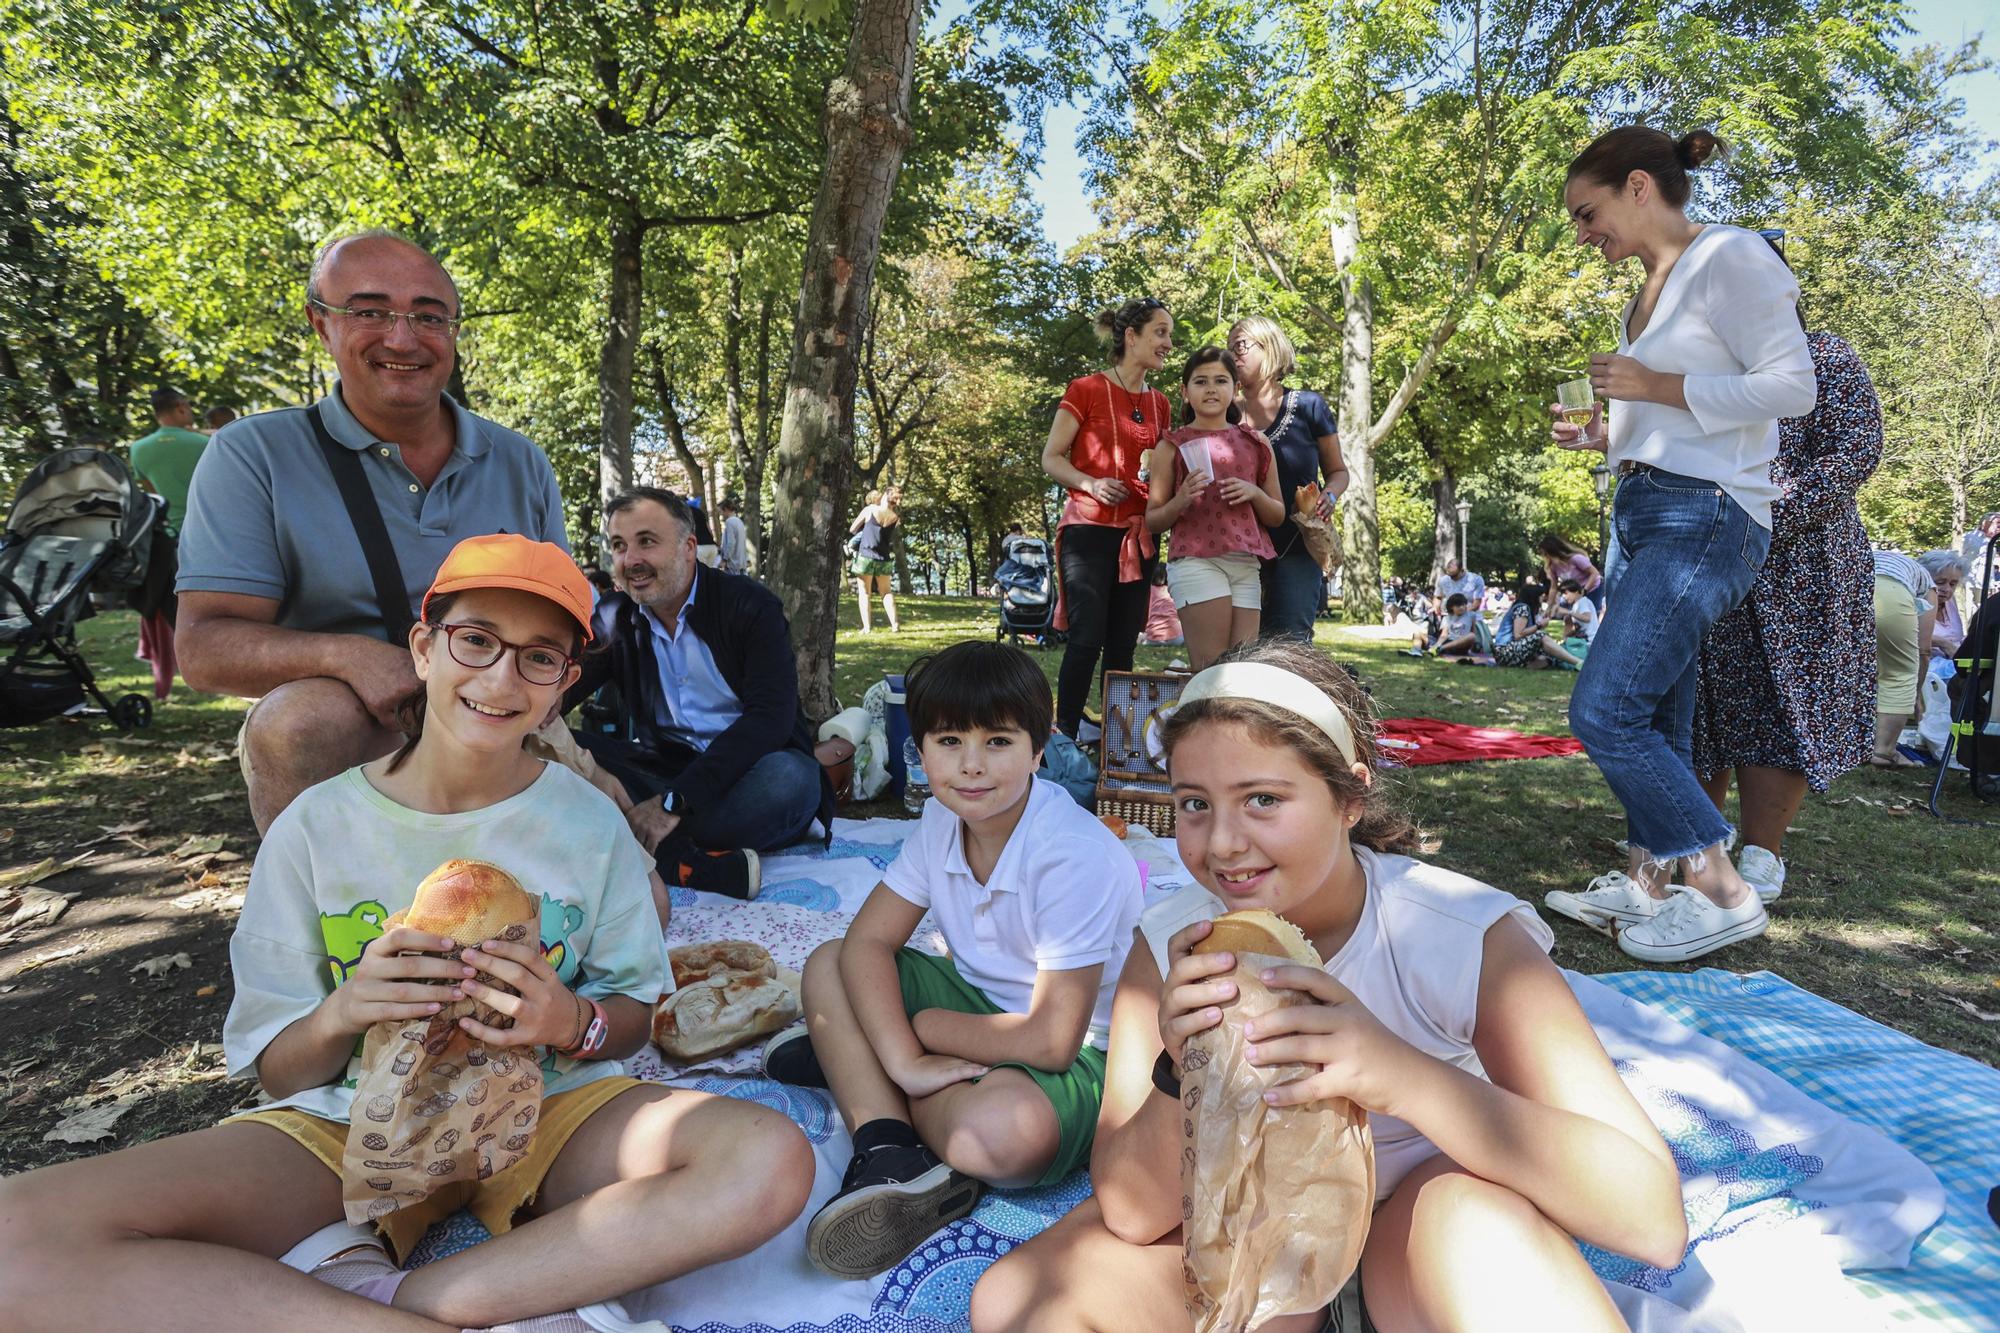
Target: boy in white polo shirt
(984, 1067)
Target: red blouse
(1110, 443)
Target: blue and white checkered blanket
(1774, 1124)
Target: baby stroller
(1027, 590)
(81, 529)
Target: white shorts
(1205, 578)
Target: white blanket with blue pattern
(1782, 1192)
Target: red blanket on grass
(1408, 741)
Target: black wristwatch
(1164, 1077)
(671, 802)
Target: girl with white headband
(1502, 1134)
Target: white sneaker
(1689, 924)
(1762, 871)
(1613, 901)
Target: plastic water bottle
(916, 786)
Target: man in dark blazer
(711, 745)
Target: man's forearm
(229, 655)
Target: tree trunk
(760, 451)
(1444, 524)
(867, 129)
(614, 364)
(1361, 561)
(676, 424)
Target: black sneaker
(890, 1202)
(733, 874)
(789, 1058)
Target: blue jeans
(773, 805)
(1687, 555)
(1294, 589)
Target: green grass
(1886, 910)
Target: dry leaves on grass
(162, 964)
(21, 876)
(200, 846)
(91, 1124)
(54, 956)
(1974, 1010)
(211, 894)
(40, 907)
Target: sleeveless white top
(1414, 959)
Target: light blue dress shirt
(702, 704)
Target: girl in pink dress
(1222, 495)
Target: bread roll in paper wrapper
(727, 994)
(1321, 535)
(1275, 1201)
(432, 1107)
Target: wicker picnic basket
(1132, 781)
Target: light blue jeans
(1687, 554)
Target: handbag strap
(390, 595)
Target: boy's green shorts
(930, 982)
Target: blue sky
(1066, 210)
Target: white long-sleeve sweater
(1727, 319)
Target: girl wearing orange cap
(239, 1226)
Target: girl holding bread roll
(1502, 1134)
(240, 1226)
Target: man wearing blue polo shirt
(277, 601)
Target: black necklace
(1133, 398)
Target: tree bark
(1444, 523)
(867, 130)
(615, 358)
(676, 423)
(1361, 560)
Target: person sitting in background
(1457, 578)
(1947, 570)
(1520, 640)
(218, 417)
(1579, 614)
(1460, 632)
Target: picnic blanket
(1809, 1140)
(1409, 741)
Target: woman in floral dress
(1787, 693)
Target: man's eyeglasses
(424, 323)
(478, 648)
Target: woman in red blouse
(1097, 448)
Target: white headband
(1264, 683)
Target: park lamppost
(1600, 479)
(1464, 518)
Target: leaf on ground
(91, 1125)
(119, 830)
(41, 959)
(214, 796)
(203, 992)
(214, 897)
(22, 876)
(143, 742)
(223, 858)
(207, 846)
(1974, 1010)
(162, 964)
(43, 907)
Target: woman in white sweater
(1711, 354)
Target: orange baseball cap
(509, 560)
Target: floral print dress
(1788, 677)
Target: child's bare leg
(179, 1236)
(1078, 1276)
(1554, 648)
(1449, 1250)
(1206, 627)
(889, 609)
(638, 1170)
(1001, 1130)
(1243, 623)
(861, 1088)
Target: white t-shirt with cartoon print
(343, 857)
(1414, 960)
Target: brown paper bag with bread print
(1275, 1201)
(432, 1106)
(1320, 535)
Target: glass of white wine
(1577, 403)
